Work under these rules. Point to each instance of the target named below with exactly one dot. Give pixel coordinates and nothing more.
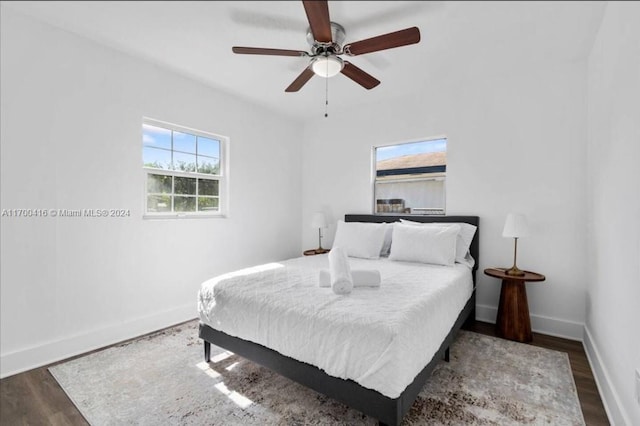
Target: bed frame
(388, 411)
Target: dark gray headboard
(473, 220)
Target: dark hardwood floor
(35, 398)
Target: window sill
(184, 216)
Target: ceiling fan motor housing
(335, 47)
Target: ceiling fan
(326, 38)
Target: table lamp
(319, 221)
(515, 227)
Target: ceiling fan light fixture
(327, 66)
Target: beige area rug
(161, 379)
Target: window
(410, 177)
(184, 171)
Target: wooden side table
(513, 321)
(315, 251)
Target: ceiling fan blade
(362, 78)
(318, 17)
(385, 41)
(300, 81)
(264, 51)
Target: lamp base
(514, 271)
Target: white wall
(71, 138)
(612, 338)
(516, 142)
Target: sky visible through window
(400, 150)
(186, 151)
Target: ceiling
(194, 38)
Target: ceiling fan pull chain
(326, 94)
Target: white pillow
(425, 244)
(463, 241)
(386, 246)
(360, 239)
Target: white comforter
(379, 337)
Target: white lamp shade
(516, 226)
(327, 66)
(318, 220)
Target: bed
(382, 388)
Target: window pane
(184, 204)
(156, 158)
(168, 149)
(208, 187)
(159, 184)
(208, 147)
(410, 149)
(156, 136)
(158, 203)
(208, 165)
(208, 204)
(410, 177)
(184, 185)
(184, 142)
(184, 162)
(410, 196)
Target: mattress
(379, 337)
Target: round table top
(315, 251)
(502, 274)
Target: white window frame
(222, 177)
(374, 177)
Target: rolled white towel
(341, 279)
(361, 278)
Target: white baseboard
(56, 350)
(608, 394)
(540, 324)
